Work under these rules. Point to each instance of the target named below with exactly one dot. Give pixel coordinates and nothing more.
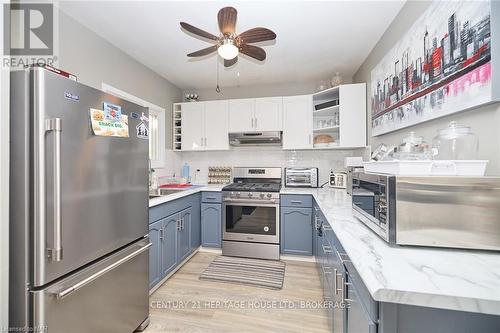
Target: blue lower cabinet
(211, 225)
(175, 235)
(195, 223)
(155, 238)
(169, 244)
(296, 231)
(184, 234)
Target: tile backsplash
(257, 156)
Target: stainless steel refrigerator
(79, 210)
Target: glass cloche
(455, 142)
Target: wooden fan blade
(227, 20)
(256, 35)
(230, 62)
(253, 51)
(203, 52)
(197, 31)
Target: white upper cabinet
(216, 125)
(352, 114)
(268, 114)
(205, 125)
(241, 115)
(331, 119)
(192, 125)
(256, 114)
(339, 117)
(297, 122)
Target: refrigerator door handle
(56, 252)
(62, 294)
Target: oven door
(251, 222)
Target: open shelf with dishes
(339, 117)
(177, 126)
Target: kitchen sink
(163, 191)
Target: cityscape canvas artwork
(441, 66)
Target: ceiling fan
(228, 44)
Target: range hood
(255, 139)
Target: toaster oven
(301, 177)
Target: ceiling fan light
(228, 50)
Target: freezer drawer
(109, 296)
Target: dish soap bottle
(185, 172)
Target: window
(156, 125)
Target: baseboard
(159, 284)
(210, 250)
(293, 257)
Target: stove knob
(262, 195)
(269, 195)
(237, 194)
(250, 195)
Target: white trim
(153, 109)
(292, 257)
(4, 186)
(211, 250)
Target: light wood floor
(202, 313)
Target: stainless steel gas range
(251, 214)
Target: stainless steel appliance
(251, 214)
(79, 211)
(351, 182)
(454, 212)
(338, 179)
(271, 138)
(301, 177)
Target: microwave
(301, 177)
(436, 211)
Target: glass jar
(455, 142)
(413, 147)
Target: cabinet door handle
(336, 281)
(309, 138)
(327, 249)
(345, 290)
(342, 260)
(252, 122)
(296, 201)
(161, 234)
(256, 122)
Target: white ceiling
(315, 39)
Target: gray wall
(94, 60)
(485, 120)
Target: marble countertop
(442, 278)
(185, 192)
(430, 277)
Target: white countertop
(184, 192)
(441, 278)
(429, 277)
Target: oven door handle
(251, 202)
